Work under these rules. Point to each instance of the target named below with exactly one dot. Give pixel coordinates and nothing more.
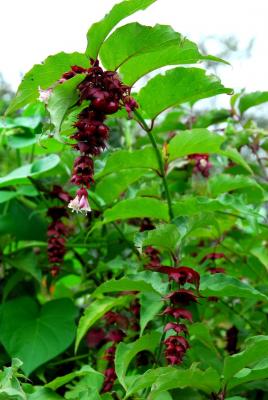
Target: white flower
(44, 94)
(203, 163)
(80, 204)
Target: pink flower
(44, 95)
(80, 202)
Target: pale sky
(30, 30)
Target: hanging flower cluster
(57, 231)
(176, 345)
(114, 330)
(201, 163)
(107, 94)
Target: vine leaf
(100, 30)
(176, 86)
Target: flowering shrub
(156, 286)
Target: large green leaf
(183, 51)
(177, 86)
(100, 30)
(44, 75)
(124, 160)
(135, 39)
(221, 285)
(126, 352)
(36, 335)
(194, 141)
(124, 284)
(252, 99)
(94, 312)
(61, 99)
(255, 351)
(137, 208)
(20, 175)
(21, 140)
(259, 371)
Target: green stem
(75, 358)
(159, 159)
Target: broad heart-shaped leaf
(94, 312)
(86, 370)
(252, 99)
(44, 75)
(126, 352)
(20, 175)
(165, 236)
(36, 335)
(124, 160)
(135, 39)
(255, 351)
(208, 381)
(182, 52)
(221, 285)
(100, 30)
(194, 141)
(124, 284)
(62, 98)
(177, 86)
(137, 208)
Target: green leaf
(100, 30)
(208, 381)
(124, 284)
(177, 86)
(135, 39)
(235, 156)
(124, 160)
(194, 141)
(252, 99)
(225, 183)
(94, 312)
(255, 351)
(113, 185)
(165, 236)
(126, 352)
(86, 370)
(21, 140)
(44, 75)
(20, 175)
(258, 372)
(62, 98)
(202, 141)
(211, 117)
(150, 305)
(44, 394)
(183, 51)
(10, 386)
(221, 285)
(137, 208)
(36, 335)
(7, 195)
